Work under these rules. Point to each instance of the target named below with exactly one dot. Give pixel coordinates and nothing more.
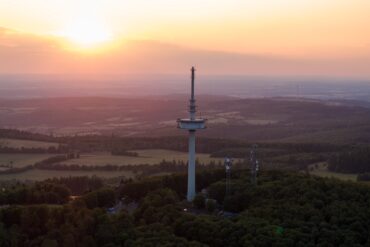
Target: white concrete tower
(191, 124)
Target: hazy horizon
(36, 86)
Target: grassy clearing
(151, 156)
(22, 160)
(321, 169)
(14, 143)
(38, 175)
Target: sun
(86, 32)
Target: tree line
(25, 135)
(22, 150)
(352, 160)
(78, 185)
(41, 164)
(39, 193)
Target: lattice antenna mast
(254, 164)
(228, 166)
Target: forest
(283, 209)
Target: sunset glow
(322, 35)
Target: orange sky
(303, 37)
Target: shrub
(199, 201)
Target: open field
(15, 143)
(322, 171)
(150, 156)
(22, 160)
(38, 175)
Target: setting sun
(87, 32)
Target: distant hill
(269, 119)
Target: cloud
(22, 53)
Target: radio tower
(191, 124)
(228, 165)
(255, 165)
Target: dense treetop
(283, 209)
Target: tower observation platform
(191, 124)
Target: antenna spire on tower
(192, 106)
(192, 82)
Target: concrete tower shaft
(191, 167)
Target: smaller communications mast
(191, 124)
(254, 164)
(228, 165)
